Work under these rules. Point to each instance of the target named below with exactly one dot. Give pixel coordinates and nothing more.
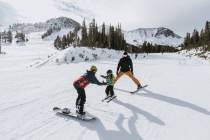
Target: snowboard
(133, 92)
(108, 98)
(67, 113)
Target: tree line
(92, 36)
(198, 39)
(148, 47)
(6, 37)
(106, 37)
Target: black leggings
(81, 98)
(109, 90)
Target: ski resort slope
(175, 105)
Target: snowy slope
(175, 106)
(160, 36)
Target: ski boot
(79, 110)
(139, 86)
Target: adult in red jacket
(81, 83)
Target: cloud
(7, 13)
(180, 15)
(71, 7)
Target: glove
(132, 72)
(104, 83)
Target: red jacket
(88, 77)
(82, 82)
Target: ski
(111, 98)
(133, 92)
(65, 112)
(107, 97)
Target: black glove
(132, 72)
(104, 83)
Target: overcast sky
(179, 15)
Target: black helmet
(109, 71)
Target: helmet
(93, 68)
(109, 71)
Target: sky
(179, 15)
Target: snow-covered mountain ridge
(159, 36)
(61, 22)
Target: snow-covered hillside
(175, 105)
(198, 52)
(61, 22)
(159, 36)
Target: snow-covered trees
(63, 42)
(50, 31)
(198, 39)
(94, 37)
(20, 37)
(6, 37)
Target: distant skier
(80, 84)
(110, 83)
(125, 66)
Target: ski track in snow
(175, 105)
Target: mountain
(61, 22)
(159, 36)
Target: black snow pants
(109, 90)
(81, 98)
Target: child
(110, 83)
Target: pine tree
(84, 39)
(103, 35)
(111, 37)
(207, 33)
(187, 41)
(9, 33)
(195, 37)
(202, 36)
(64, 42)
(57, 43)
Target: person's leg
(78, 98)
(107, 91)
(118, 76)
(80, 101)
(130, 75)
(112, 90)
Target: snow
(197, 52)
(174, 106)
(137, 37)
